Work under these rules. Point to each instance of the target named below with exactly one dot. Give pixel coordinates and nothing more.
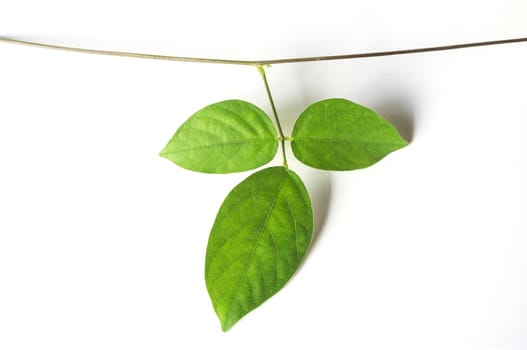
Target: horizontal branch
(267, 61)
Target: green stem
(280, 130)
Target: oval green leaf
(225, 137)
(337, 134)
(261, 233)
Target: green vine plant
(264, 227)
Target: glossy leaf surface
(337, 134)
(261, 233)
(225, 137)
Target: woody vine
(264, 227)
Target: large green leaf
(260, 235)
(337, 134)
(225, 137)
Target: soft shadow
(320, 191)
(319, 186)
(400, 113)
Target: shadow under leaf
(400, 114)
(319, 185)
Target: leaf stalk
(282, 138)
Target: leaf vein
(295, 226)
(215, 145)
(277, 252)
(312, 139)
(249, 126)
(225, 216)
(262, 273)
(225, 267)
(260, 234)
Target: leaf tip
(225, 326)
(164, 154)
(404, 142)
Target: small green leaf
(225, 137)
(261, 233)
(337, 134)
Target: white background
(102, 242)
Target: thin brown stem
(268, 61)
